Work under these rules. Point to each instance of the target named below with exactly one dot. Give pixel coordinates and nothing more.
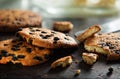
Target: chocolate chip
(19, 43)
(44, 37)
(4, 53)
(46, 56)
(14, 58)
(66, 38)
(30, 27)
(53, 32)
(31, 33)
(0, 57)
(117, 51)
(110, 69)
(15, 48)
(19, 29)
(5, 44)
(38, 30)
(32, 30)
(14, 41)
(19, 36)
(10, 54)
(29, 50)
(56, 38)
(41, 48)
(38, 58)
(43, 32)
(41, 35)
(30, 41)
(20, 56)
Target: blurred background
(82, 13)
(66, 8)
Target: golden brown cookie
(12, 20)
(107, 44)
(47, 38)
(16, 51)
(87, 33)
(89, 58)
(64, 61)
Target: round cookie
(12, 20)
(47, 38)
(16, 51)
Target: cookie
(89, 58)
(43, 37)
(12, 20)
(16, 51)
(88, 32)
(64, 61)
(62, 26)
(107, 44)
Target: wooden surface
(98, 71)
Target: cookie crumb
(110, 69)
(78, 71)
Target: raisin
(38, 58)
(30, 41)
(5, 44)
(4, 53)
(29, 50)
(20, 56)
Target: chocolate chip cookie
(12, 20)
(43, 37)
(16, 51)
(106, 43)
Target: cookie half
(107, 44)
(12, 20)
(12, 50)
(47, 38)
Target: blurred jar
(76, 8)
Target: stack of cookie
(32, 44)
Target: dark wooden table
(97, 71)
